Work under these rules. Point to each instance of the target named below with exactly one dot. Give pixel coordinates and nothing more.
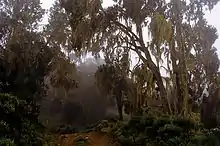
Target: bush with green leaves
(6, 142)
(15, 123)
(164, 130)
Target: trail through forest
(86, 139)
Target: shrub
(6, 142)
(16, 124)
(163, 131)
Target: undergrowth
(160, 130)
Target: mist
(82, 106)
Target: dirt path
(90, 139)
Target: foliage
(7, 142)
(177, 41)
(16, 124)
(62, 74)
(111, 82)
(24, 54)
(57, 31)
(23, 76)
(18, 18)
(25, 61)
(162, 130)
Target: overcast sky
(212, 17)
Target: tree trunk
(153, 67)
(118, 94)
(119, 107)
(156, 73)
(176, 80)
(148, 60)
(182, 59)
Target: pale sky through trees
(212, 17)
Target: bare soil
(90, 139)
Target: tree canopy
(173, 33)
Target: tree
(57, 31)
(62, 77)
(23, 76)
(26, 59)
(112, 83)
(62, 74)
(20, 16)
(145, 86)
(121, 27)
(24, 54)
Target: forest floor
(86, 139)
